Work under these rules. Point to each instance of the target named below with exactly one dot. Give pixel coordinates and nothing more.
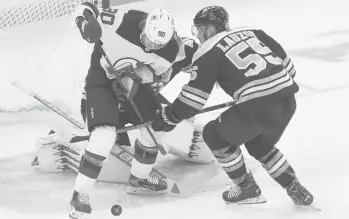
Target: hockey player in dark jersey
(142, 48)
(255, 71)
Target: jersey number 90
(260, 59)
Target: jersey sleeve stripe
(263, 87)
(266, 92)
(190, 102)
(286, 61)
(194, 97)
(288, 65)
(292, 72)
(258, 82)
(196, 91)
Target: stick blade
(188, 186)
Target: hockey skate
(299, 194)
(247, 192)
(151, 185)
(80, 207)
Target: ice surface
(316, 35)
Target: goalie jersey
(247, 64)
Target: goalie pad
(189, 144)
(60, 152)
(55, 153)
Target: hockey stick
(47, 104)
(205, 110)
(135, 108)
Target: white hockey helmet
(158, 29)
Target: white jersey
(121, 42)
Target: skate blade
(187, 186)
(251, 201)
(309, 207)
(142, 191)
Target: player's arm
(277, 50)
(193, 96)
(185, 56)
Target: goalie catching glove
(165, 120)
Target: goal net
(41, 48)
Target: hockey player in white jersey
(61, 151)
(144, 45)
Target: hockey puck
(116, 210)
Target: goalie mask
(158, 29)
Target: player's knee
(259, 151)
(102, 140)
(144, 159)
(91, 164)
(145, 154)
(211, 137)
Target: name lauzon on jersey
(278, 79)
(234, 38)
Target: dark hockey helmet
(214, 15)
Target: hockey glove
(128, 87)
(87, 23)
(165, 120)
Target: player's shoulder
(135, 15)
(132, 18)
(169, 52)
(213, 47)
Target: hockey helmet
(212, 15)
(158, 29)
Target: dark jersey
(185, 56)
(247, 64)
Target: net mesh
(46, 54)
(37, 11)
